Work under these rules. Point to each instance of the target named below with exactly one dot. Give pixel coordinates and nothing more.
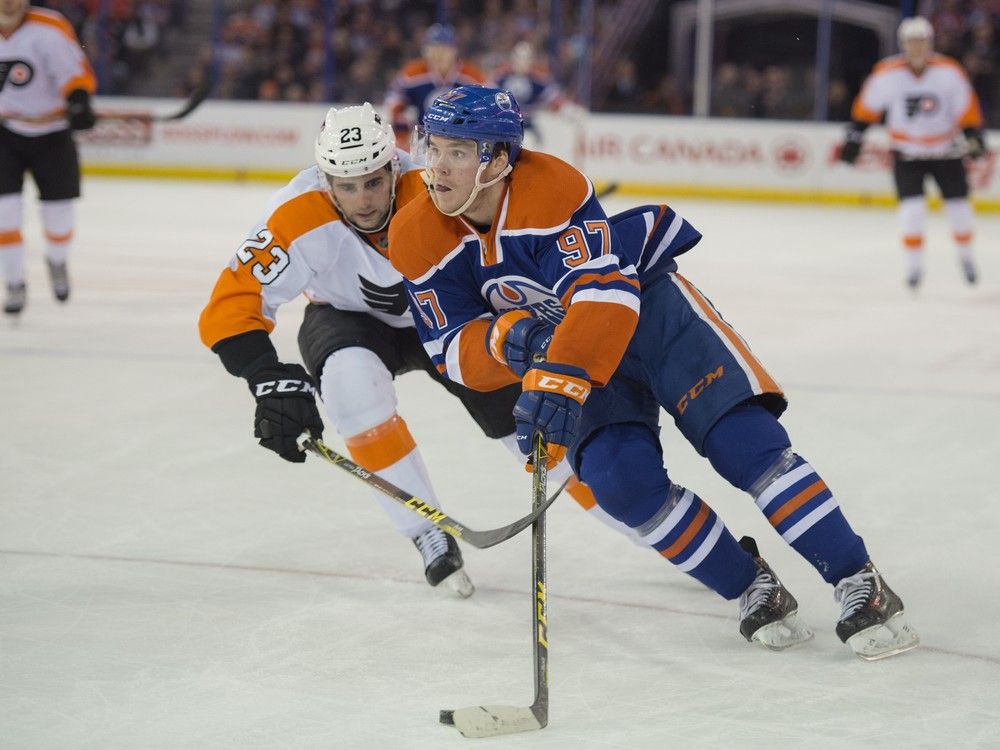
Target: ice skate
(871, 620)
(443, 561)
(768, 611)
(914, 277)
(59, 279)
(969, 270)
(17, 295)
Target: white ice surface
(166, 583)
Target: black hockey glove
(78, 111)
(851, 149)
(286, 407)
(974, 143)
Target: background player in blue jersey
(421, 80)
(516, 273)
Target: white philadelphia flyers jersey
(40, 63)
(303, 246)
(923, 113)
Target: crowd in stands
(121, 37)
(311, 50)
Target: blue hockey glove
(551, 403)
(518, 339)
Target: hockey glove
(286, 407)
(851, 149)
(518, 340)
(551, 403)
(975, 146)
(78, 111)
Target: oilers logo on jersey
(518, 293)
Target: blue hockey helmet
(478, 113)
(440, 33)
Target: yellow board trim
(623, 188)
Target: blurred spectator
(624, 95)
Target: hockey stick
(610, 189)
(447, 524)
(489, 721)
(194, 101)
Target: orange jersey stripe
(913, 241)
(59, 237)
(86, 79)
(689, 533)
(973, 115)
(767, 383)
(797, 502)
(594, 336)
(382, 446)
(479, 370)
(13, 237)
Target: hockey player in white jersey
(325, 234)
(45, 88)
(934, 121)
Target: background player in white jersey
(928, 105)
(45, 88)
(325, 234)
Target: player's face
(440, 57)
(918, 52)
(453, 165)
(365, 201)
(12, 12)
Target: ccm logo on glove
(575, 388)
(283, 386)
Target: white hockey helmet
(916, 27)
(355, 141)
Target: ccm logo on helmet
(283, 386)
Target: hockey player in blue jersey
(516, 273)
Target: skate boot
(768, 612)
(871, 619)
(17, 295)
(913, 278)
(59, 279)
(443, 561)
(969, 270)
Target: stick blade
(490, 721)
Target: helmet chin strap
(475, 190)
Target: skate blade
(777, 636)
(460, 583)
(892, 637)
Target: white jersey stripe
(703, 549)
(673, 518)
(782, 483)
(810, 520)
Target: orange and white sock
(960, 213)
(359, 399)
(11, 241)
(57, 221)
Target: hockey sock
(360, 401)
(57, 220)
(751, 450)
(623, 466)
(11, 241)
(912, 214)
(389, 450)
(959, 211)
